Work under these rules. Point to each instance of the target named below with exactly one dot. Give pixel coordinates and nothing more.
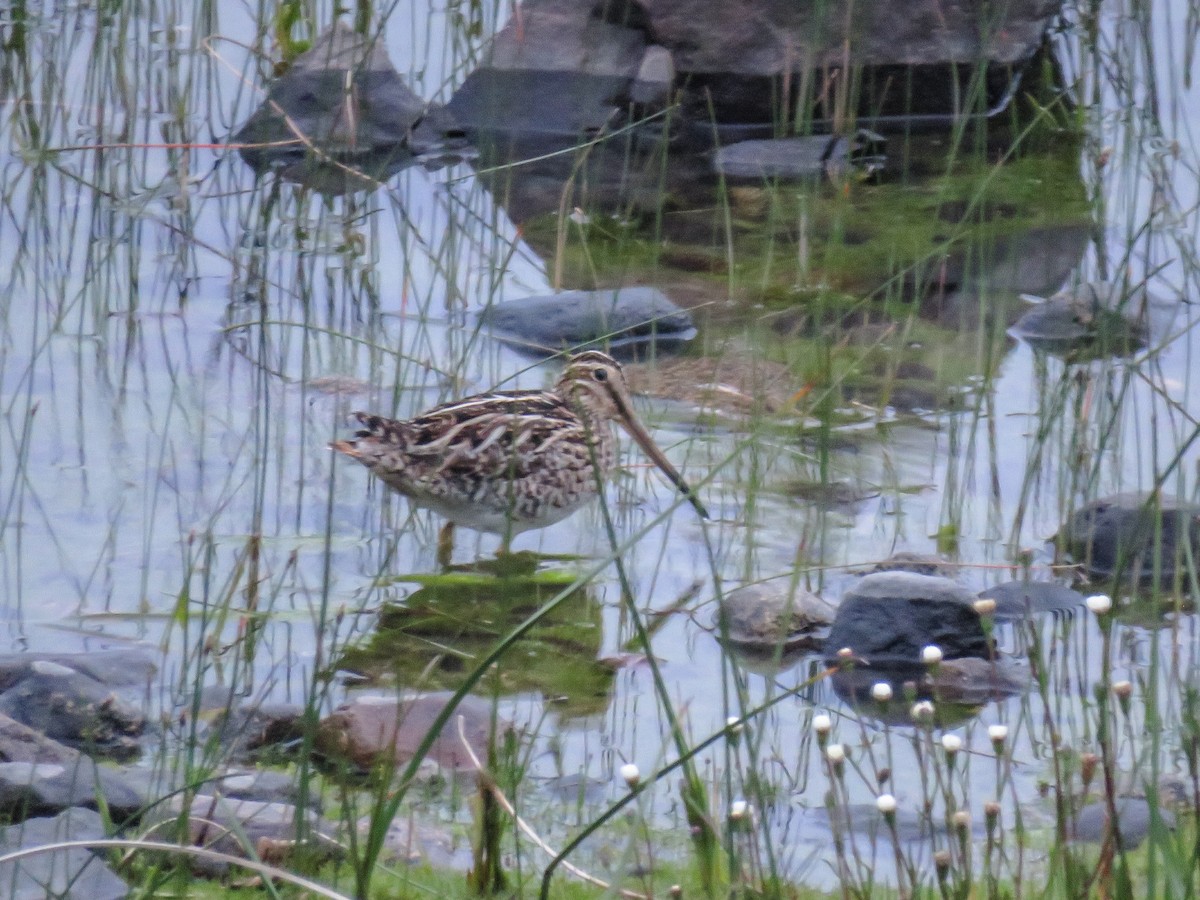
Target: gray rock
(655, 78)
(1134, 534)
(559, 71)
(1104, 317)
(73, 874)
(770, 37)
(29, 789)
(39, 788)
(773, 617)
(114, 668)
(1134, 819)
(262, 785)
(799, 157)
(567, 67)
(73, 708)
(343, 96)
(246, 828)
(886, 620)
(1017, 600)
(577, 319)
(917, 563)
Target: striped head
(594, 383)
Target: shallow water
(171, 326)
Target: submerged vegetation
(181, 337)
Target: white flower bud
(886, 803)
(931, 655)
(985, 606)
(631, 774)
(836, 753)
(1100, 604)
(922, 711)
(951, 743)
(998, 733)
(881, 691)
(738, 810)
(822, 724)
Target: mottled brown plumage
(510, 461)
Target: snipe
(511, 461)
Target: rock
(570, 68)
(1102, 316)
(262, 785)
(917, 563)
(114, 668)
(73, 708)
(655, 78)
(547, 323)
(887, 619)
(236, 827)
(1017, 600)
(26, 789)
(370, 731)
(560, 72)
(31, 789)
(773, 618)
(345, 97)
(813, 156)
(771, 37)
(71, 874)
(1134, 819)
(1133, 534)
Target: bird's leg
(445, 545)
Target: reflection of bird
(511, 461)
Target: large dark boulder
(1144, 536)
(887, 619)
(572, 67)
(341, 108)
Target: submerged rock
(1108, 317)
(382, 730)
(1147, 536)
(813, 156)
(887, 619)
(1016, 600)
(916, 563)
(68, 874)
(578, 319)
(1134, 819)
(773, 620)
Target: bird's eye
(600, 375)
